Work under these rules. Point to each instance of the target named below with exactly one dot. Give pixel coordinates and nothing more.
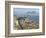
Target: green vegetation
(25, 24)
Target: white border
(26, 31)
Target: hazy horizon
(25, 11)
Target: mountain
(32, 13)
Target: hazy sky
(23, 11)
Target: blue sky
(23, 11)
